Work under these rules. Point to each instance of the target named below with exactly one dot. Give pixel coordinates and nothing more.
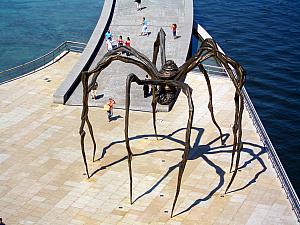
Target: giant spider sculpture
(169, 82)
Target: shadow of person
(176, 37)
(144, 7)
(99, 96)
(113, 118)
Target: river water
(262, 35)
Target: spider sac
(166, 94)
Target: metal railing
(214, 70)
(41, 62)
(285, 181)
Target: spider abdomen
(166, 94)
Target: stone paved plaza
(42, 178)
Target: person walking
(109, 108)
(94, 91)
(120, 41)
(146, 88)
(174, 29)
(109, 45)
(128, 44)
(108, 35)
(144, 27)
(138, 4)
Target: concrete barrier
(66, 89)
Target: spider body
(166, 94)
(168, 81)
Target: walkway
(42, 177)
(127, 22)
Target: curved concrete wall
(65, 90)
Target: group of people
(111, 44)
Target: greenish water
(31, 28)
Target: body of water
(263, 36)
(31, 28)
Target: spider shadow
(220, 172)
(197, 151)
(105, 149)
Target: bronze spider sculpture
(169, 82)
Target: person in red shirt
(174, 27)
(128, 44)
(120, 41)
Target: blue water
(262, 35)
(31, 28)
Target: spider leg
(154, 104)
(159, 43)
(84, 115)
(238, 83)
(136, 58)
(130, 78)
(238, 79)
(235, 129)
(239, 144)
(210, 105)
(92, 135)
(188, 92)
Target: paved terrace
(42, 177)
(127, 21)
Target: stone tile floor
(42, 177)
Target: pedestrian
(144, 27)
(120, 41)
(94, 91)
(108, 35)
(1, 223)
(174, 28)
(146, 88)
(109, 108)
(138, 4)
(128, 44)
(109, 45)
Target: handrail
(214, 70)
(33, 65)
(281, 173)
